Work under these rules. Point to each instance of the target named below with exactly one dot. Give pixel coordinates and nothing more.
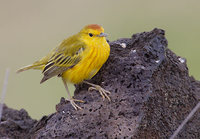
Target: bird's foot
(104, 93)
(72, 101)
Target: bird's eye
(90, 34)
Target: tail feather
(44, 79)
(25, 68)
(39, 67)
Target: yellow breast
(93, 59)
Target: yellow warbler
(76, 59)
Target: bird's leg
(104, 93)
(70, 99)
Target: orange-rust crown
(94, 26)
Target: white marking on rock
(133, 51)
(123, 45)
(140, 67)
(182, 60)
(157, 61)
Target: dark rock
(151, 94)
(15, 124)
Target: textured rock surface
(151, 94)
(15, 124)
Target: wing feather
(63, 58)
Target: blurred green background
(30, 29)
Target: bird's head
(93, 32)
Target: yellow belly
(88, 66)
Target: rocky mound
(151, 94)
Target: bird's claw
(104, 93)
(76, 107)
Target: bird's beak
(103, 35)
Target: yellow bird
(76, 59)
